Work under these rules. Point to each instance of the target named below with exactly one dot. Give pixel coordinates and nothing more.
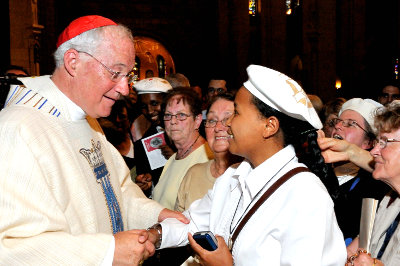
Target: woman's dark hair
(225, 96)
(303, 137)
(188, 96)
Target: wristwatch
(158, 228)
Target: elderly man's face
(97, 92)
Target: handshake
(133, 247)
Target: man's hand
(220, 256)
(167, 213)
(131, 247)
(144, 181)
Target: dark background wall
(5, 22)
(355, 41)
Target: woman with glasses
(182, 119)
(385, 239)
(201, 177)
(271, 209)
(355, 124)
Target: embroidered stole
(21, 95)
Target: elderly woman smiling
(201, 177)
(182, 119)
(385, 240)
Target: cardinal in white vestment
(66, 196)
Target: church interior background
(321, 44)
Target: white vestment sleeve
(141, 212)
(108, 259)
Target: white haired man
(66, 196)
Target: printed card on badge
(152, 147)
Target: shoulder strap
(264, 197)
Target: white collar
(253, 180)
(76, 113)
(46, 87)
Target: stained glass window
(161, 66)
(288, 7)
(252, 7)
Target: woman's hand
(362, 258)
(220, 256)
(336, 150)
(167, 213)
(353, 247)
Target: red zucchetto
(82, 24)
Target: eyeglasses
(346, 123)
(383, 141)
(213, 123)
(116, 76)
(179, 116)
(218, 90)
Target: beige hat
(281, 93)
(152, 85)
(365, 107)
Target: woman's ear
(198, 119)
(71, 58)
(271, 127)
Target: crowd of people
(96, 170)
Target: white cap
(365, 107)
(152, 85)
(281, 93)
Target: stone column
(25, 33)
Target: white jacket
(295, 226)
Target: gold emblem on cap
(299, 95)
